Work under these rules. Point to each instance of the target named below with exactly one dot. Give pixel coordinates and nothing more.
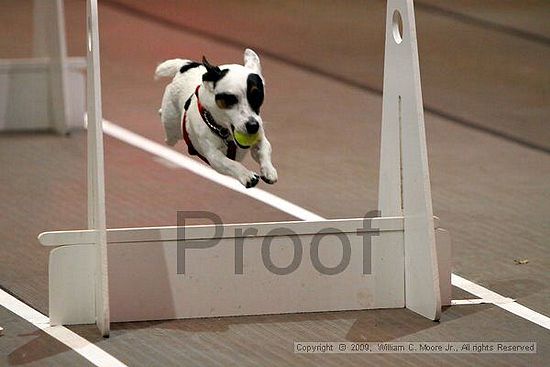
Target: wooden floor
(486, 91)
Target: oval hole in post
(397, 26)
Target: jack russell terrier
(216, 110)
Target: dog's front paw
(249, 179)
(269, 174)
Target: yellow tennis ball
(245, 140)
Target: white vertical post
(49, 41)
(96, 174)
(404, 187)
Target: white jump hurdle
(45, 92)
(398, 259)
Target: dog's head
(233, 94)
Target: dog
(216, 110)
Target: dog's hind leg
(170, 116)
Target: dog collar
(208, 119)
(220, 131)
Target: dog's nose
(252, 126)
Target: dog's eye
(225, 100)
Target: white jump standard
(398, 259)
(45, 92)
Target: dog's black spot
(226, 100)
(187, 103)
(255, 92)
(214, 76)
(191, 65)
(213, 73)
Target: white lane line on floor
(479, 301)
(202, 170)
(91, 352)
(501, 301)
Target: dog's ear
(213, 73)
(209, 67)
(252, 61)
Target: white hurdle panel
(399, 259)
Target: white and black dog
(208, 106)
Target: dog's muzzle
(244, 140)
(252, 125)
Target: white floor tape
(91, 352)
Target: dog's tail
(169, 68)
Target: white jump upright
(404, 186)
(96, 170)
(400, 258)
(45, 92)
(86, 278)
